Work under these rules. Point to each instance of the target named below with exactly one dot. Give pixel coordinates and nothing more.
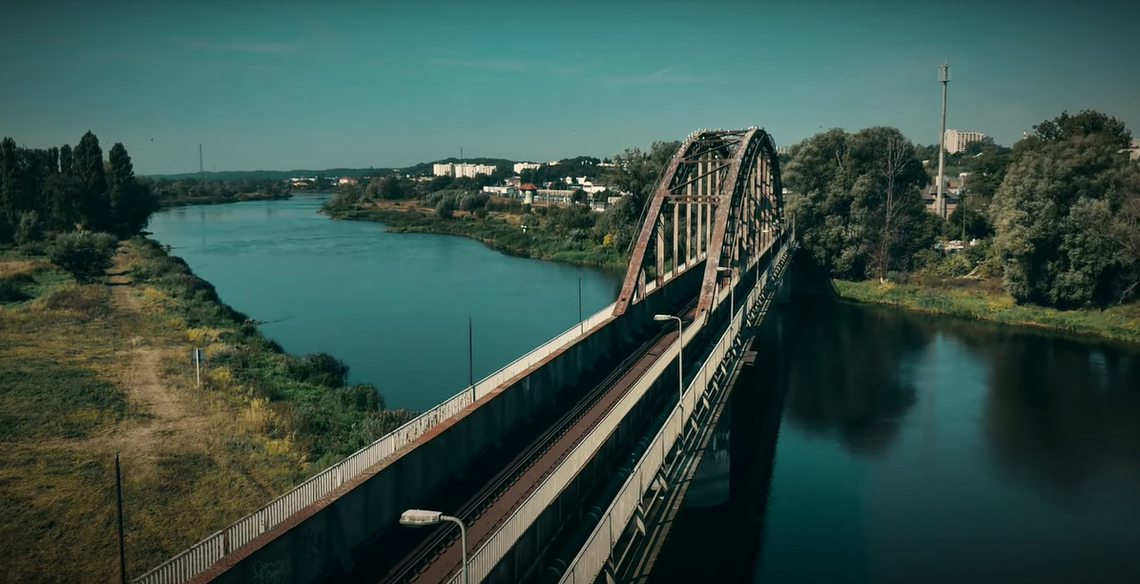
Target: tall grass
(1117, 322)
(497, 233)
(69, 355)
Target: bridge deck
(438, 558)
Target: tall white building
(521, 166)
(956, 140)
(458, 170)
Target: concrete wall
(319, 542)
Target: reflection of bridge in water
(569, 464)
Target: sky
(314, 85)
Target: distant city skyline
(279, 86)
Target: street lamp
(421, 517)
(680, 349)
(731, 292)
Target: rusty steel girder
(732, 173)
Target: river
(919, 449)
(394, 307)
(868, 445)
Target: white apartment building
(1134, 154)
(521, 166)
(956, 140)
(458, 170)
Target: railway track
(430, 561)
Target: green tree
(63, 196)
(636, 172)
(29, 229)
(89, 169)
(445, 208)
(856, 201)
(391, 189)
(131, 202)
(578, 197)
(10, 187)
(65, 159)
(1061, 216)
(1086, 123)
(83, 254)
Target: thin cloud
(662, 76)
(240, 47)
(487, 64)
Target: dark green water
(914, 449)
(392, 306)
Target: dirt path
(173, 419)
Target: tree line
(192, 191)
(68, 189)
(1058, 214)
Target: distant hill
(275, 174)
(423, 168)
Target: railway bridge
(566, 465)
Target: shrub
(29, 228)
(83, 254)
(33, 248)
(319, 369)
(12, 290)
(89, 300)
(445, 209)
(361, 396)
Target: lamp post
(680, 349)
(731, 291)
(421, 517)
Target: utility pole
(944, 78)
(119, 497)
(201, 167)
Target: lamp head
(416, 517)
(662, 317)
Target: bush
(361, 396)
(319, 369)
(445, 209)
(12, 289)
(29, 228)
(33, 248)
(89, 300)
(83, 254)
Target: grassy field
(500, 231)
(983, 301)
(86, 371)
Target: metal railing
(593, 556)
(207, 552)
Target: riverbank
(500, 231)
(92, 370)
(1120, 323)
(219, 200)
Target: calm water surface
(914, 449)
(394, 307)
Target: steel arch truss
(718, 199)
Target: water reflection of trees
(844, 377)
(1058, 412)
